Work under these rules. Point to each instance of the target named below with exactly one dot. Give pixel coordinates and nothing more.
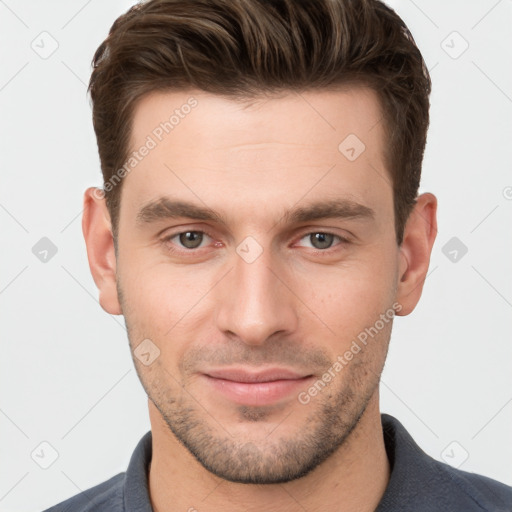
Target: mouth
(256, 388)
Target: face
(256, 246)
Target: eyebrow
(165, 208)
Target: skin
(294, 306)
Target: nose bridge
(255, 304)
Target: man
(259, 228)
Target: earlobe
(99, 241)
(419, 236)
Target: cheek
(350, 297)
(153, 286)
(162, 302)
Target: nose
(254, 303)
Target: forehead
(270, 150)
(312, 118)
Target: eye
(320, 240)
(188, 239)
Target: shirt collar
(409, 464)
(136, 482)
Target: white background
(67, 377)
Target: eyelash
(167, 240)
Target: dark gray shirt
(418, 483)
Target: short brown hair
(246, 48)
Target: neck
(354, 478)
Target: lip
(262, 387)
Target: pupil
(191, 239)
(321, 240)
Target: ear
(419, 236)
(97, 230)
